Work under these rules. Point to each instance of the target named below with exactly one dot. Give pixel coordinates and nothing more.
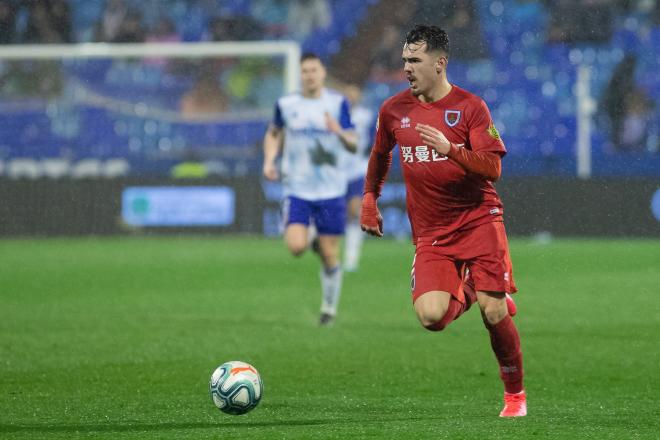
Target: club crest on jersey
(405, 122)
(452, 117)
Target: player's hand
(371, 221)
(270, 171)
(332, 124)
(434, 138)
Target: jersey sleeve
(383, 139)
(345, 115)
(380, 159)
(371, 135)
(278, 120)
(482, 132)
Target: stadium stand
(527, 78)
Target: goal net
(105, 110)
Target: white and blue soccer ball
(236, 387)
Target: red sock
(505, 341)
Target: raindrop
(516, 57)
(496, 8)
(631, 24)
(528, 38)
(140, 109)
(134, 144)
(531, 73)
(547, 148)
(502, 78)
(617, 55)
(150, 128)
(548, 89)
(165, 144)
(500, 44)
(575, 55)
(504, 110)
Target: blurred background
(105, 141)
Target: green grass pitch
(116, 338)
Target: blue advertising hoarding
(178, 206)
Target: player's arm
(343, 128)
(272, 145)
(380, 161)
(348, 137)
(486, 146)
(273, 141)
(485, 163)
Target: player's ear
(441, 64)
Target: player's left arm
(343, 128)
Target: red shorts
(441, 264)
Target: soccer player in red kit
(450, 154)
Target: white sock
(331, 289)
(352, 245)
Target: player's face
(423, 69)
(312, 75)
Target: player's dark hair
(309, 56)
(434, 37)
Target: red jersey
(441, 196)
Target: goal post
(108, 109)
(290, 50)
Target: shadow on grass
(140, 427)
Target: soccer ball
(236, 387)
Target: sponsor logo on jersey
(495, 211)
(420, 153)
(492, 131)
(321, 156)
(452, 117)
(405, 122)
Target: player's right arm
(273, 141)
(272, 145)
(380, 161)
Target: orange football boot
(515, 405)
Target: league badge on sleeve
(452, 117)
(492, 131)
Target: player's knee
(433, 320)
(296, 249)
(493, 312)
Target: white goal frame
(290, 50)
(91, 167)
